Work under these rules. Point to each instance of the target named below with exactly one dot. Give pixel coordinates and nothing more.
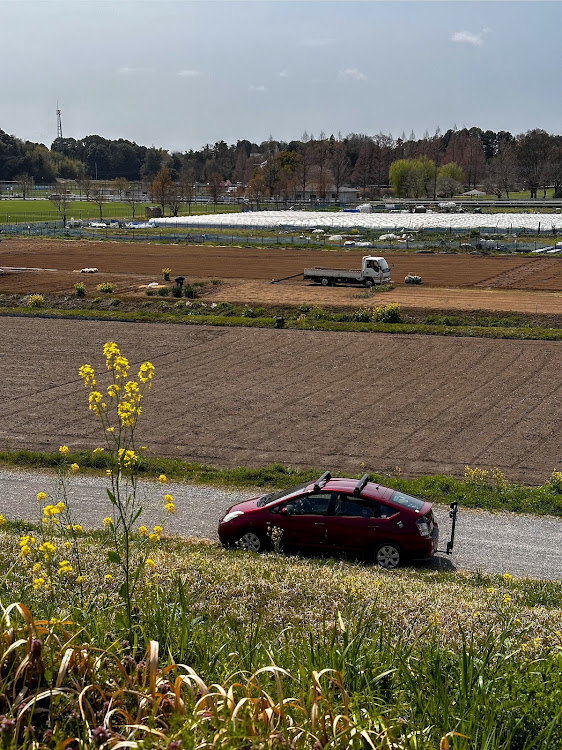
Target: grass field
(32, 211)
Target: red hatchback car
(336, 514)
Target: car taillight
(423, 527)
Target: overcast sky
(182, 73)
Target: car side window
(384, 511)
(305, 505)
(345, 506)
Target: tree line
(434, 165)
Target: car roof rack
(360, 486)
(326, 476)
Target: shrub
(554, 483)
(115, 302)
(164, 291)
(248, 312)
(387, 313)
(189, 291)
(151, 292)
(34, 300)
(177, 291)
(363, 315)
(107, 287)
(80, 289)
(166, 273)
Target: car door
(302, 520)
(360, 524)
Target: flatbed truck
(374, 270)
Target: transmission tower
(59, 122)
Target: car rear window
(273, 496)
(407, 501)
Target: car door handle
(319, 524)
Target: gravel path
(522, 545)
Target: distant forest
(498, 161)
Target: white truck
(374, 270)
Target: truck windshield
(383, 264)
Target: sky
(179, 74)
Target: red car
(336, 514)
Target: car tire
(251, 541)
(388, 555)
(325, 281)
(368, 283)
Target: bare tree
(186, 186)
(98, 196)
(61, 202)
(363, 171)
(85, 185)
(120, 184)
(216, 186)
(25, 182)
(257, 188)
(163, 188)
(533, 151)
(340, 166)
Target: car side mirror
(284, 512)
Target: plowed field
(324, 399)
(130, 265)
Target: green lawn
(31, 211)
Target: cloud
(351, 74)
(284, 74)
(128, 71)
(467, 37)
(320, 42)
(189, 73)
(258, 89)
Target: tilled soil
(331, 400)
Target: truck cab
(376, 268)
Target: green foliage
(412, 178)
(387, 313)
(106, 287)
(177, 291)
(164, 291)
(80, 289)
(166, 273)
(34, 300)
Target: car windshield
(413, 503)
(273, 496)
(383, 264)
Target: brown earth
(129, 266)
(331, 400)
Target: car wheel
(325, 281)
(388, 556)
(250, 540)
(368, 283)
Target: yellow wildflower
(93, 400)
(107, 521)
(113, 390)
(64, 568)
(64, 450)
(506, 598)
(110, 429)
(170, 507)
(75, 468)
(146, 372)
(37, 567)
(152, 537)
(80, 579)
(150, 563)
(108, 577)
(41, 496)
(87, 374)
(158, 529)
(98, 450)
(142, 448)
(143, 531)
(434, 619)
(507, 577)
(108, 472)
(38, 582)
(162, 479)
(168, 498)
(25, 550)
(77, 528)
(2, 520)
(490, 589)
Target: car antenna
(326, 476)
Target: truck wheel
(325, 281)
(368, 283)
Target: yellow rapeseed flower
(75, 468)
(80, 579)
(113, 390)
(37, 567)
(150, 563)
(146, 372)
(162, 479)
(143, 531)
(158, 529)
(108, 472)
(507, 577)
(170, 507)
(38, 582)
(107, 521)
(41, 496)
(110, 429)
(98, 450)
(2, 520)
(64, 450)
(87, 374)
(506, 598)
(108, 577)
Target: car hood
(245, 505)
